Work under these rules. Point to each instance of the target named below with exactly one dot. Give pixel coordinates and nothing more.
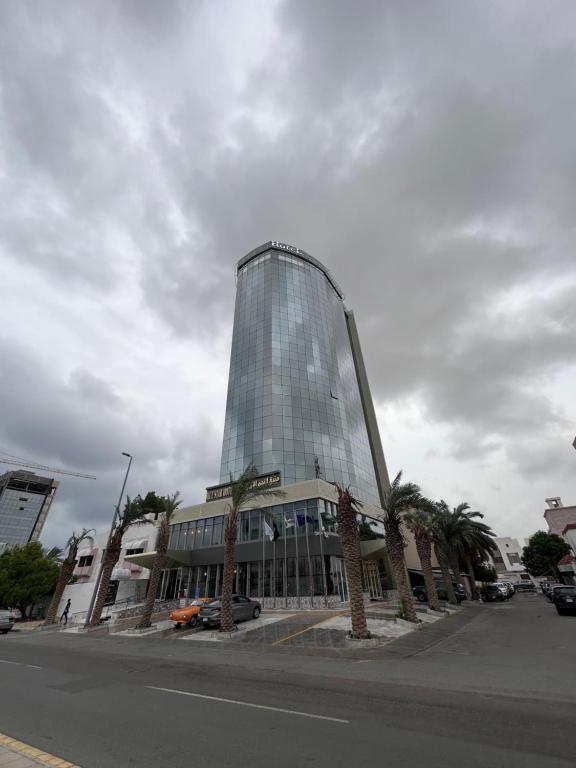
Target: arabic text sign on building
(225, 491)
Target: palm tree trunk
(226, 615)
(455, 565)
(424, 549)
(395, 547)
(348, 531)
(470, 570)
(66, 571)
(155, 575)
(111, 557)
(445, 568)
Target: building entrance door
(372, 579)
(339, 578)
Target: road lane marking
(38, 755)
(249, 704)
(20, 664)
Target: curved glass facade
(294, 402)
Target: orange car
(189, 614)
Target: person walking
(65, 612)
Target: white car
(6, 622)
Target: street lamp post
(116, 515)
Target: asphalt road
(493, 687)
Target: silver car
(243, 608)
(6, 622)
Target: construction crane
(18, 461)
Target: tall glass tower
(298, 396)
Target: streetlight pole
(116, 515)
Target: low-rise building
(507, 559)
(558, 516)
(129, 580)
(287, 548)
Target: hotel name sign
(285, 247)
(225, 491)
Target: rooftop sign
(225, 491)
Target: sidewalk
(16, 754)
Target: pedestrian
(65, 612)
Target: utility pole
(116, 515)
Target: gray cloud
(424, 152)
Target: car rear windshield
(570, 591)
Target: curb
(37, 755)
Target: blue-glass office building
(299, 408)
(298, 399)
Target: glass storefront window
(244, 526)
(254, 575)
(207, 536)
(217, 533)
(255, 516)
(241, 569)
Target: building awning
(567, 564)
(135, 544)
(121, 574)
(174, 559)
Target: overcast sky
(423, 151)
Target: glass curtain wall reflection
(293, 401)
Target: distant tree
(543, 553)
(66, 569)
(484, 573)
(26, 576)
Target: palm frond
(54, 554)
(244, 490)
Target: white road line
(249, 704)
(19, 664)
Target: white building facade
(129, 580)
(507, 560)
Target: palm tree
(462, 537)
(134, 514)
(243, 491)
(441, 534)
(169, 505)
(348, 530)
(454, 525)
(420, 522)
(66, 569)
(398, 499)
(475, 543)
(54, 554)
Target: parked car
(6, 622)
(493, 593)
(421, 595)
(510, 589)
(243, 608)
(550, 590)
(189, 615)
(564, 598)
